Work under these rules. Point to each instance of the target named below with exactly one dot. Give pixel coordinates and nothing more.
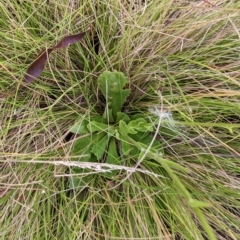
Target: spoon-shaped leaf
(111, 85)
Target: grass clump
(181, 59)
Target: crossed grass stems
(198, 85)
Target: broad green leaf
(96, 118)
(108, 115)
(99, 146)
(134, 151)
(80, 128)
(136, 116)
(139, 124)
(146, 140)
(123, 129)
(126, 147)
(112, 157)
(94, 126)
(122, 116)
(111, 85)
(82, 147)
(134, 126)
(131, 130)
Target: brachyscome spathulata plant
(105, 137)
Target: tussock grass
(188, 52)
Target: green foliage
(115, 137)
(111, 85)
(193, 61)
(106, 137)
